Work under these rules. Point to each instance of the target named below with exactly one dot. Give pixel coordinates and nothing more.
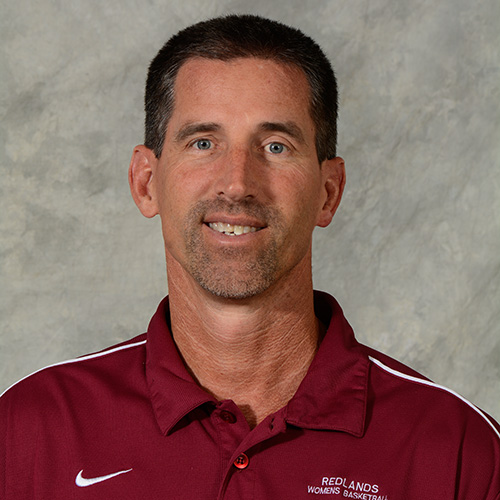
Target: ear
(140, 179)
(333, 172)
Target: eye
(275, 148)
(203, 144)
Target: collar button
(228, 417)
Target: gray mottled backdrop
(413, 254)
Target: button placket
(232, 429)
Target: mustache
(248, 207)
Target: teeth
(231, 230)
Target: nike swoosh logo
(82, 482)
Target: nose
(237, 176)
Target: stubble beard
(232, 273)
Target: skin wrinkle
(256, 392)
(241, 307)
(258, 274)
(264, 268)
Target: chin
(235, 289)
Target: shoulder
(74, 375)
(47, 415)
(52, 398)
(435, 424)
(401, 380)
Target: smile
(232, 230)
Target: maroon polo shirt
(130, 423)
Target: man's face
(238, 185)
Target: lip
(234, 220)
(228, 239)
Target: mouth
(232, 229)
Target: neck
(254, 351)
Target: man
(247, 384)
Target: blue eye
(203, 144)
(275, 148)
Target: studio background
(412, 254)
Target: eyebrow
(289, 128)
(190, 129)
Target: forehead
(241, 86)
(196, 66)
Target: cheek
(177, 190)
(169, 200)
(301, 198)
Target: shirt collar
(332, 396)
(173, 391)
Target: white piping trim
(436, 386)
(77, 360)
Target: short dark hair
(238, 36)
